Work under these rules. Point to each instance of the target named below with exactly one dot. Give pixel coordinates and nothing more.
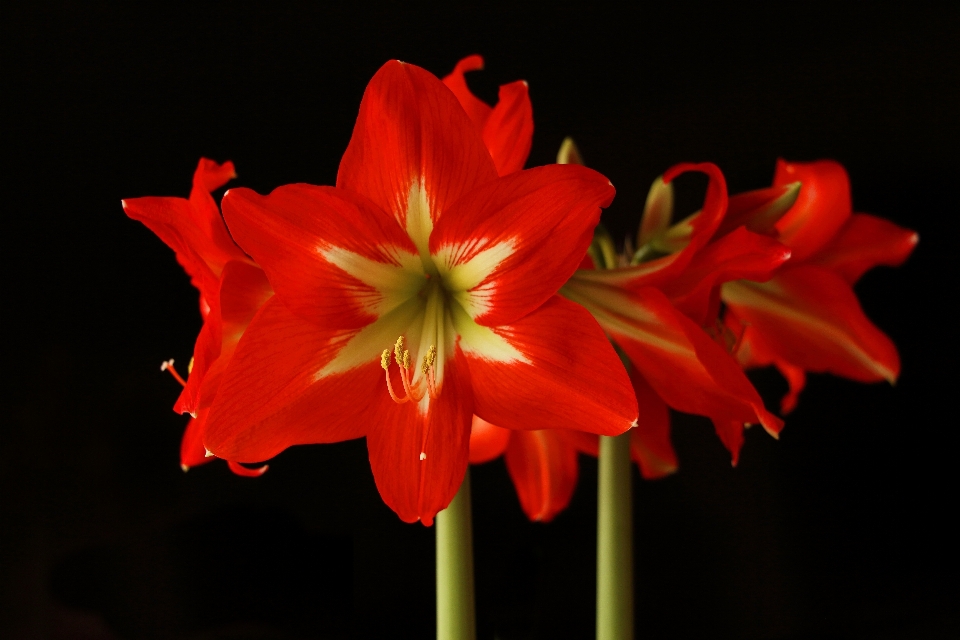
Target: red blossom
(426, 237)
(807, 317)
(662, 313)
(232, 288)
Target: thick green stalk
(456, 619)
(615, 540)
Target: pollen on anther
(385, 359)
(398, 349)
(428, 360)
(166, 364)
(406, 359)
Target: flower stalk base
(615, 540)
(456, 617)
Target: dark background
(840, 529)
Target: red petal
(759, 210)
(544, 468)
(412, 134)
(690, 371)
(572, 379)
(210, 176)
(247, 472)
(739, 254)
(476, 109)
(205, 354)
(542, 219)
(172, 219)
(750, 349)
(192, 451)
(271, 398)
(730, 433)
(508, 132)
(487, 441)
(811, 318)
(821, 209)
(291, 232)
(419, 453)
(650, 445)
(701, 228)
(193, 228)
(797, 380)
(243, 290)
(864, 242)
(219, 247)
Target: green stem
(615, 540)
(456, 619)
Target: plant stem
(615, 540)
(456, 619)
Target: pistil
(167, 365)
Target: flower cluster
(451, 306)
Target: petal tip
(185, 467)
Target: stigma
(167, 365)
(413, 390)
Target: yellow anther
(398, 351)
(428, 360)
(406, 359)
(385, 359)
(190, 366)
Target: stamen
(428, 370)
(167, 365)
(385, 363)
(405, 378)
(401, 355)
(393, 394)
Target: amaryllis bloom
(807, 317)
(419, 291)
(232, 288)
(660, 306)
(664, 296)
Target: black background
(840, 529)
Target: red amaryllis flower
(420, 248)
(807, 317)
(662, 313)
(232, 287)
